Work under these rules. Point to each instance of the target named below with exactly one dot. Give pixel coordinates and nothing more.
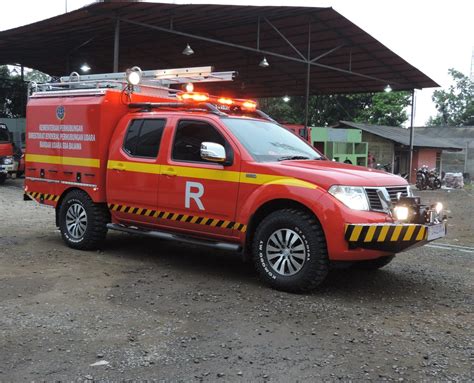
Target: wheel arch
(269, 207)
(61, 199)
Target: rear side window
(143, 138)
(188, 138)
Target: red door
(197, 195)
(133, 169)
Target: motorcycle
(386, 167)
(426, 178)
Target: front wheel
(83, 223)
(289, 251)
(436, 184)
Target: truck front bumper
(7, 168)
(392, 237)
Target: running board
(175, 237)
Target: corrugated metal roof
(402, 135)
(61, 44)
(454, 135)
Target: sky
(432, 35)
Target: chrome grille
(374, 199)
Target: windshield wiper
(293, 158)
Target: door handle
(119, 166)
(169, 172)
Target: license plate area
(436, 231)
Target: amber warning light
(246, 105)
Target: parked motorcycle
(386, 167)
(426, 178)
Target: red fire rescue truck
(213, 171)
(7, 163)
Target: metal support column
(412, 135)
(22, 68)
(116, 45)
(308, 75)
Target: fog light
(401, 212)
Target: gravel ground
(149, 309)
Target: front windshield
(4, 136)
(267, 141)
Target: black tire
(308, 237)
(3, 177)
(373, 264)
(90, 235)
(436, 184)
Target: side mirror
(210, 151)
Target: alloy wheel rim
(76, 221)
(285, 252)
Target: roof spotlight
(264, 63)
(134, 75)
(85, 68)
(188, 51)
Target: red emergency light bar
(199, 97)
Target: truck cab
(214, 171)
(7, 163)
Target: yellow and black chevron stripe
(386, 237)
(41, 197)
(198, 220)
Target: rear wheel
(83, 223)
(289, 251)
(3, 177)
(374, 264)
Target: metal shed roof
(343, 58)
(402, 136)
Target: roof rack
(156, 82)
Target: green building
(342, 145)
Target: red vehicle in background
(213, 171)
(7, 163)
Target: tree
(326, 110)
(386, 109)
(455, 105)
(13, 93)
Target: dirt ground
(156, 310)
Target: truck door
(133, 169)
(197, 195)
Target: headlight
(353, 197)
(8, 160)
(401, 213)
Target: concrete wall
(17, 126)
(381, 148)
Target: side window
(143, 138)
(188, 138)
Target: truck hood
(326, 173)
(6, 149)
